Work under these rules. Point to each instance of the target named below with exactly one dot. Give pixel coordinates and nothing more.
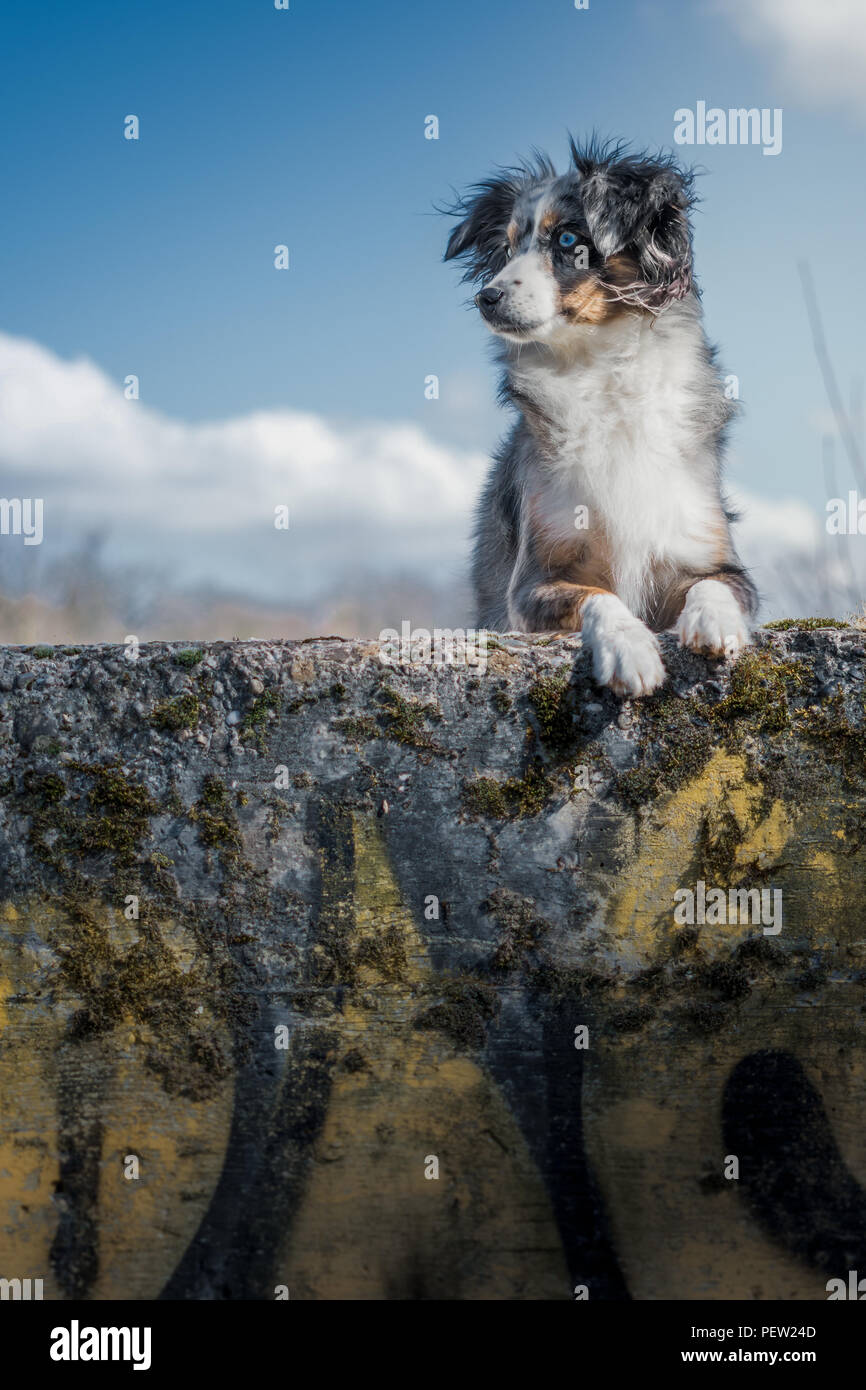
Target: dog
(603, 511)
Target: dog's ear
(640, 206)
(479, 239)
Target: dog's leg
(625, 654)
(715, 617)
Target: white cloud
(196, 501)
(818, 47)
(772, 527)
(202, 496)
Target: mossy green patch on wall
(216, 818)
(255, 721)
(760, 690)
(803, 624)
(552, 700)
(509, 798)
(173, 715)
(404, 719)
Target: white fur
(625, 654)
(531, 290)
(712, 620)
(619, 399)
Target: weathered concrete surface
(374, 906)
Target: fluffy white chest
(621, 442)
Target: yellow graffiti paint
(144, 1226)
(639, 915)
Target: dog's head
(555, 251)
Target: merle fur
(632, 203)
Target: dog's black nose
(485, 299)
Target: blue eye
(567, 239)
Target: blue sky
(306, 127)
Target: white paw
(712, 620)
(625, 654)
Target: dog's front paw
(712, 621)
(625, 654)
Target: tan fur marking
(588, 590)
(590, 302)
(580, 558)
(555, 554)
(620, 271)
(558, 607)
(720, 541)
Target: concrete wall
(280, 925)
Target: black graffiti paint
(278, 1116)
(261, 1186)
(82, 1077)
(792, 1175)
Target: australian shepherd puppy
(603, 509)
